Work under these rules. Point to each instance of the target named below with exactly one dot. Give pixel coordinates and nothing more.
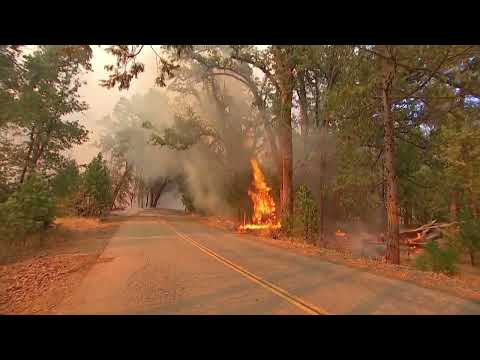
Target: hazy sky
(101, 100)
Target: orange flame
(340, 233)
(264, 215)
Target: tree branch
(260, 66)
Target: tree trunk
(284, 70)
(41, 147)
(274, 148)
(383, 215)
(317, 99)
(391, 201)
(322, 217)
(302, 97)
(286, 199)
(454, 205)
(472, 257)
(38, 155)
(219, 106)
(27, 160)
(119, 185)
(159, 192)
(151, 194)
(156, 198)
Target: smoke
(315, 160)
(215, 170)
(318, 164)
(205, 182)
(101, 101)
(210, 167)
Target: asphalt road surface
(165, 262)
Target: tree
(411, 77)
(29, 209)
(421, 81)
(133, 160)
(391, 199)
(67, 180)
(45, 93)
(10, 72)
(278, 65)
(95, 195)
(307, 212)
(469, 234)
(402, 121)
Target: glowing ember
(340, 233)
(264, 216)
(259, 226)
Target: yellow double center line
(292, 299)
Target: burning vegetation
(264, 213)
(340, 233)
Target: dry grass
(76, 223)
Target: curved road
(165, 262)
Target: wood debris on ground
(420, 236)
(412, 241)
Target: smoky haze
(208, 166)
(101, 101)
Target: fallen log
(427, 227)
(432, 237)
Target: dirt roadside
(35, 279)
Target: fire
(264, 215)
(340, 233)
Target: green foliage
(9, 81)
(29, 209)
(437, 138)
(438, 259)
(37, 98)
(307, 213)
(469, 234)
(95, 195)
(127, 68)
(357, 181)
(67, 180)
(4, 191)
(187, 201)
(187, 131)
(65, 185)
(5, 187)
(288, 224)
(459, 152)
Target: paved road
(164, 262)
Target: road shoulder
(459, 285)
